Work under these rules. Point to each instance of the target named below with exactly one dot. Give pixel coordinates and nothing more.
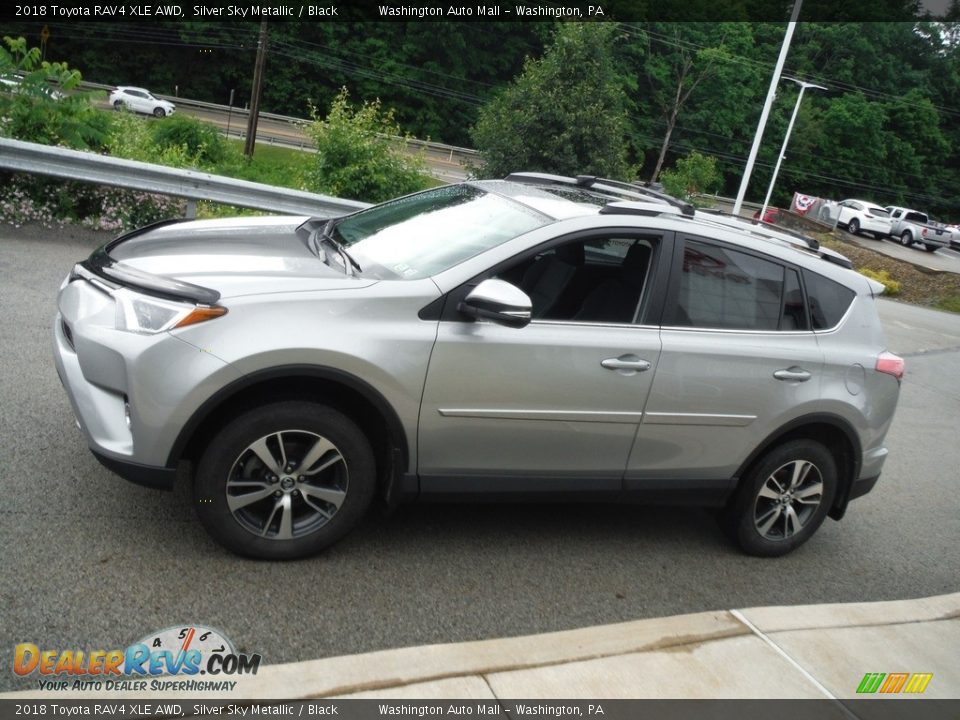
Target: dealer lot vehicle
(530, 337)
(913, 226)
(860, 215)
(141, 100)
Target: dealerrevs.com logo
(150, 664)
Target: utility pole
(255, 91)
(771, 93)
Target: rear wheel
(285, 480)
(906, 239)
(854, 226)
(930, 248)
(783, 499)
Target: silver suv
(539, 335)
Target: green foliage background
(888, 128)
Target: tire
(853, 226)
(256, 507)
(753, 518)
(906, 239)
(930, 248)
(159, 112)
(118, 104)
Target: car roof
(611, 197)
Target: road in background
(93, 562)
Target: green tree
(362, 154)
(693, 175)
(564, 114)
(32, 109)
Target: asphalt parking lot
(93, 562)
(942, 259)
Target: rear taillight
(891, 364)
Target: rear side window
(726, 289)
(828, 300)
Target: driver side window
(594, 280)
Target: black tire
(930, 248)
(118, 104)
(288, 512)
(764, 496)
(906, 239)
(159, 112)
(853, 226)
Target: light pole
(786, 138)
(768, 103)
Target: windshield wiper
(350, 265)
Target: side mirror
(499, 301)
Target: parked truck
(913, 226)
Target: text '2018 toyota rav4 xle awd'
(532, 336)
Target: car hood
(242, 256)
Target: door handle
(626, 362)
(796, 374)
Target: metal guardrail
(190, 184)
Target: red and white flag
(803, 203)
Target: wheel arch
(833, 432)
(347, 393)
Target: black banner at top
(61, 11)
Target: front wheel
(930, 248)
(285, 480)
(783, 499)
(159, 112)
(118, 104)
(854, 226)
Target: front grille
(67, 333)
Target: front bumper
(131, 393)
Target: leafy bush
(33, 110)
(201, 141)
(361, 154)
(174, 142)
(890, 286)
(693, 175)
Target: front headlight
(148, 315)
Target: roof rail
(630, 190)
(638, 207)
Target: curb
(809, 651)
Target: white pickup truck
(913, 226)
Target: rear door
(738, 359)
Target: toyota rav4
(523, 338)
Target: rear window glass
(723, 288)
(828, 300)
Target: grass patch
(272, 165)
(950, 304)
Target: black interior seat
(615, 299)
(546, 280)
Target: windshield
(427, 233)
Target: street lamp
(786, 138)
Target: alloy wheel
(787, 500)
(287, 484)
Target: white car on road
(859, 215)
(141, 101)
